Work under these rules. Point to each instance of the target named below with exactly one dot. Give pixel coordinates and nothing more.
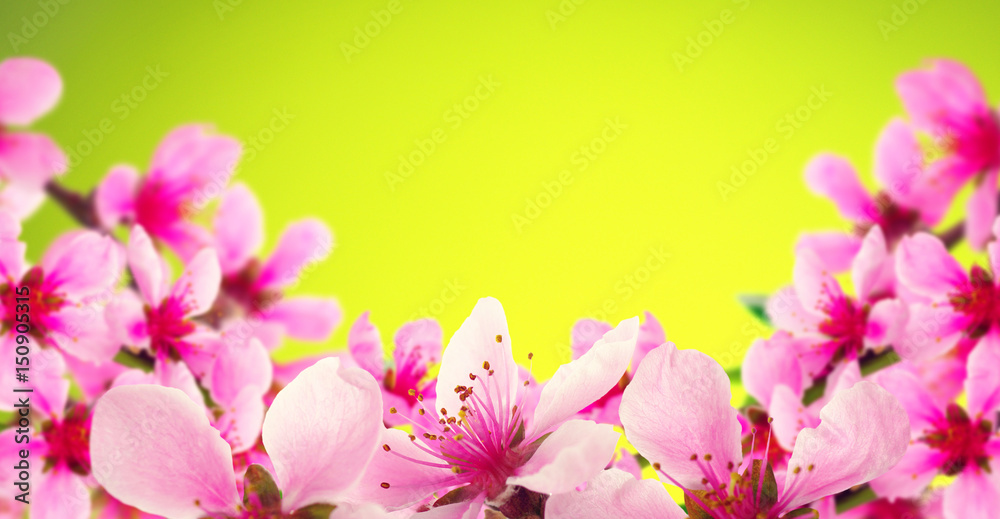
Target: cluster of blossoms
(156, 395)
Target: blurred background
(572, 158)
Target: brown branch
(953, 235)
(80, 207)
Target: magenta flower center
(896, 221)
(42, 302)
(979, 300)
(168, 327)
(845, 326)
(68, 441)
(157, 206)
(976, 139)
(961, 440)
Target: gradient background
(451, 221)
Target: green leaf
(756, 304)
(260, 492)
(849, 500)
(871, 364)
(134, 360)
(318, 511)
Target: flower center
(961, 439)
(167, 329)
(764, 449)
(975, 139)
(845, 325)
(979, 299)
(896, 221)
(157, 206)
(42, 301)
(68, 441)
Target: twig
(80, 207)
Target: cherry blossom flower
(830, 326)
(418, 345)
(950, 440)
(160, 318)
(906, 201)
(588, 331)
(154, 449)
(29, 88)
(476, 447)
(189, 168)
(947, 101)
(79, 269)
(677, 414)
(252, 288)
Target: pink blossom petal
(974, 495)
(409, 482)
(338, 412)
(583, 381)
(790, 416)
(165, 373)
(843, 376)
(146, 266)
(60, 494)
(833, 177)
(575, 452)
(911, 476)
(239, 228)
(86, 265)
(93, 378)
(651, 336)
(114, 199)
(836, 249)
(814, 284)
(418, 344)
(676, 406)
(899, 162)
(82, 331)
(585, 333)
(932, 329)
(47, 379)
(868, 266)
(614, 493)
(483, 337)
(303, 243)
(241, 419)
(29, 88)
(628, 462)
(126, 320)
(981, 211)
(192, 157)
(769, 363)
(982, 386)
(240, 366)
(363, 511)
(864, 419)
(153, 448)
(199, 284)
(30, 159)
(945, 89)
(20, 201)
(10, 228)
(365, 344)
(186, 239)
(886, 322)
(307, 318)
(472, 509)
(205, 344)
(924, 265)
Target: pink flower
(906, 201)
(418, 346)
(950, 440)
(957, 308)
(479, 444)
(251, 294)
(161, 321)
(64, 293)
(154, 449)
(677, 414)
(189, 169)
(29, 88)
(947, 101)
(588, 331)
(830, 326)
(615, 493)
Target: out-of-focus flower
(476, 447)
(677, 414)
(947, 101)
(189, 168)
(585, 333)
(252, 289)
(29, 88)
(418, 345)
(154, 449)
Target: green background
(561, 76)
